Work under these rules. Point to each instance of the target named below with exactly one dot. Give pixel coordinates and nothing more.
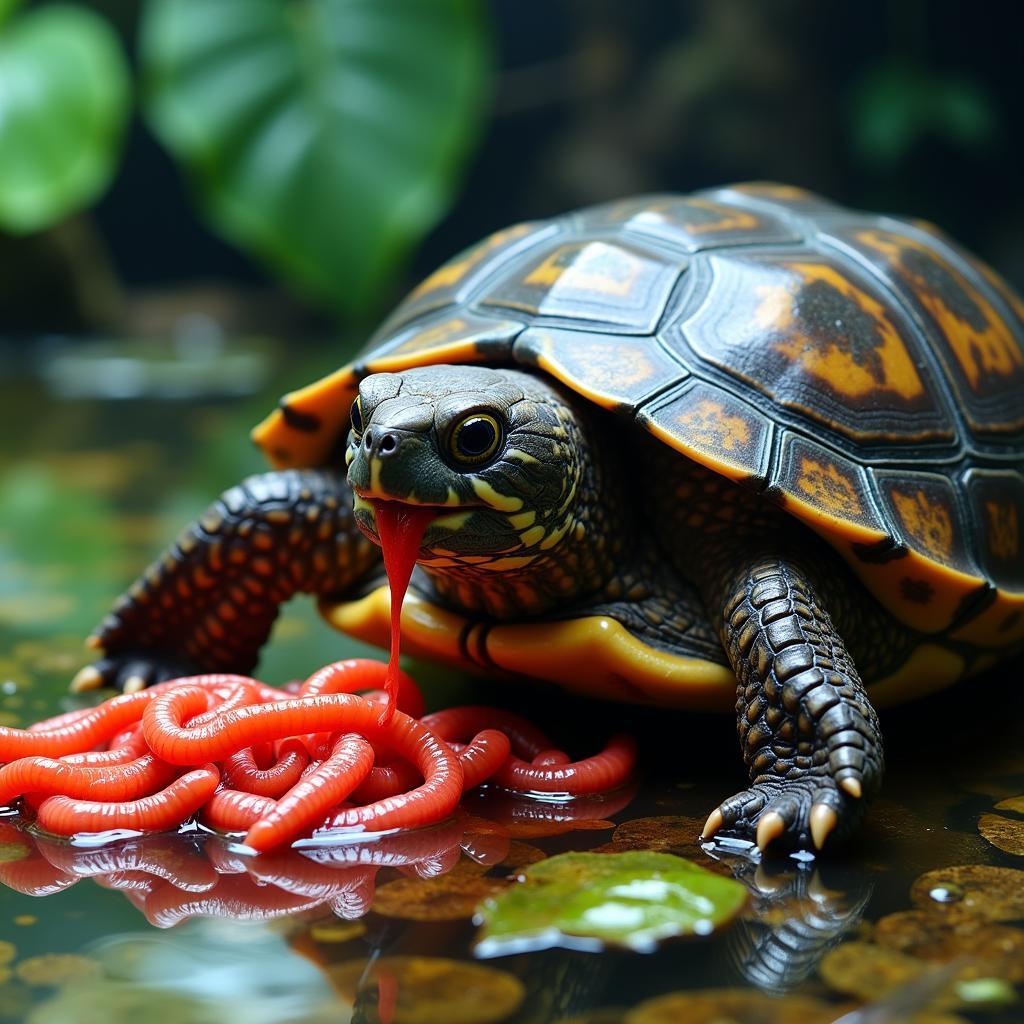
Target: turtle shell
(862, 371)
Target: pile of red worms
(239, 756)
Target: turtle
(742, 449)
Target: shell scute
(607, 283)
(925, 509)
(616, 373)
(997, 501)
(979, 347)
(692, 223)
(831, 493)
(714, 427)
(807, 332)
(455, 280)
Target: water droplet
(950, 893)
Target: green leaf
(64, 101)
(586, 900)
(325, 136)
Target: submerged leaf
(1003, 833)
(731, 1006)
(449, 897)
(633, 899)
(427, 989)
(972, 890)
(930, 936)
(1013, 803)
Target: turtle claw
(134, 684)
(130, 672)
(713, 824)
(851, 785)
(794, 813)
(88, 678)
(770, 826)
(823, 820)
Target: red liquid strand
(400, 528)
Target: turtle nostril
(388, 443)
(368, 440)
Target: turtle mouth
(445, 518)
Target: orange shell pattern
(863, 371)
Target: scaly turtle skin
(739, 448)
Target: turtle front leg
(208, 604)
(809, 734)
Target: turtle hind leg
(809, 735)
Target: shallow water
(182, 929)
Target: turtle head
(498, 453)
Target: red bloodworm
(435, 866)
(290, 871)
(65, 816)
(230, 810)
(240, 770)
(364, 674)
(551, 757)
(35, 877)
(236, 896)
(441, 769)
(127, 882)
(488, 848)
(161, 856)
(356, 899)
(385, 781)
(76, 732)
(460, 723)
(309, 800)
(483, 756)
(126, 746)
(59, 721)
(392, 850)
(137, 778)
(604, 771)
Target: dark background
(903, 106)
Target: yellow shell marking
(926, 521)
(710, 425)
(731, 218)
(605, 368)
(827, 487)
(991, 350)
(893, 370)
(522, 520)
(1002, 529)
(532, 536)
(454, 271)
(596, 267)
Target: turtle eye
(474, 439)
(357, 416)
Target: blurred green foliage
(323, 137)
(897, 105)
(63, 108)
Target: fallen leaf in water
(428, 990)
(1013, 803)
(971, 890)
(633, 899)
(731, 1006)
(56, 969)
(872, 972)
(1003, 833)
(664, 833)
(450, 897)
(8, 951)
(930, 936)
